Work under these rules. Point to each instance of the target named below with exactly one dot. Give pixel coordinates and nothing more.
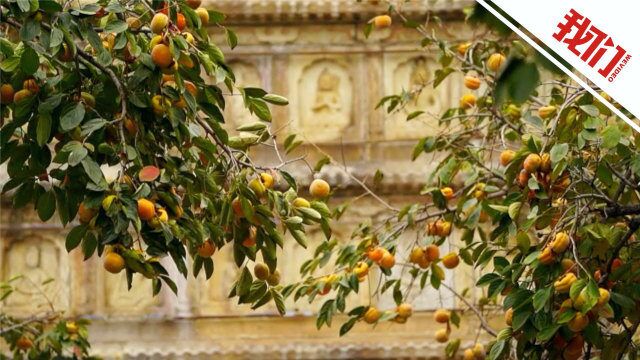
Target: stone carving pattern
(37, 260)
(412, 75)
(325, 92)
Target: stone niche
(42, 264)
(322, 94)
(121, 303)
(414, 74)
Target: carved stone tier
(252, 11)
(276, 338)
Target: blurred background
(314, 53)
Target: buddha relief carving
(327, 100)
(325, 94)
(42, 276)
(415, 76)
(418, 82)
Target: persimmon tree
(138, 89)
(46, 334)
(537, 181)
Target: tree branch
(483, 322)
(634, 224)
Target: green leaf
(260, 108)
(92, 169)
(514, 210)
(547, 333)
(623, 301)
(541, 297)
(116, 26)
(368, 28)
(310, 213)
(232, 38)
(43, 130)
(244, 283)
(57, 36)
(497, 349)
(24, 5)
(590, 110)
(590, 294)
(611, 136)
(300, 237)
(523, 241)
(89, 245)
(275, 99)
(321, 163)
(576, 288)
(29, 61)
(500, 208)
(531, 257)
(566, 316)
(452, 348)
(487, 278)
(46, 205)
(278, 300)
(77, 155)
(414, 115)
(517, 81)
(30, 29)
(348, 325)
(73, 117)
(558, 152)
(75, 236)
(441, 74)
(50, 104)
(50, 6)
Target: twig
(354, 178)
(483, 322)
(29, 320)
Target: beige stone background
(314, 53)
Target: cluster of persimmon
(539, 167)
(326, 283)
(571, 348)
(30, 87)
(381, 256)
(424, 256)
(493, 63)
(149, 211)
(165, 60)
(555, 248)
(441, 228)
(155, 215)
(25, 341)
(263, 273)
(615, 265)
(442, 316)
(399, 315)
(477, 352)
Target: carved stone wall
(333, 78)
